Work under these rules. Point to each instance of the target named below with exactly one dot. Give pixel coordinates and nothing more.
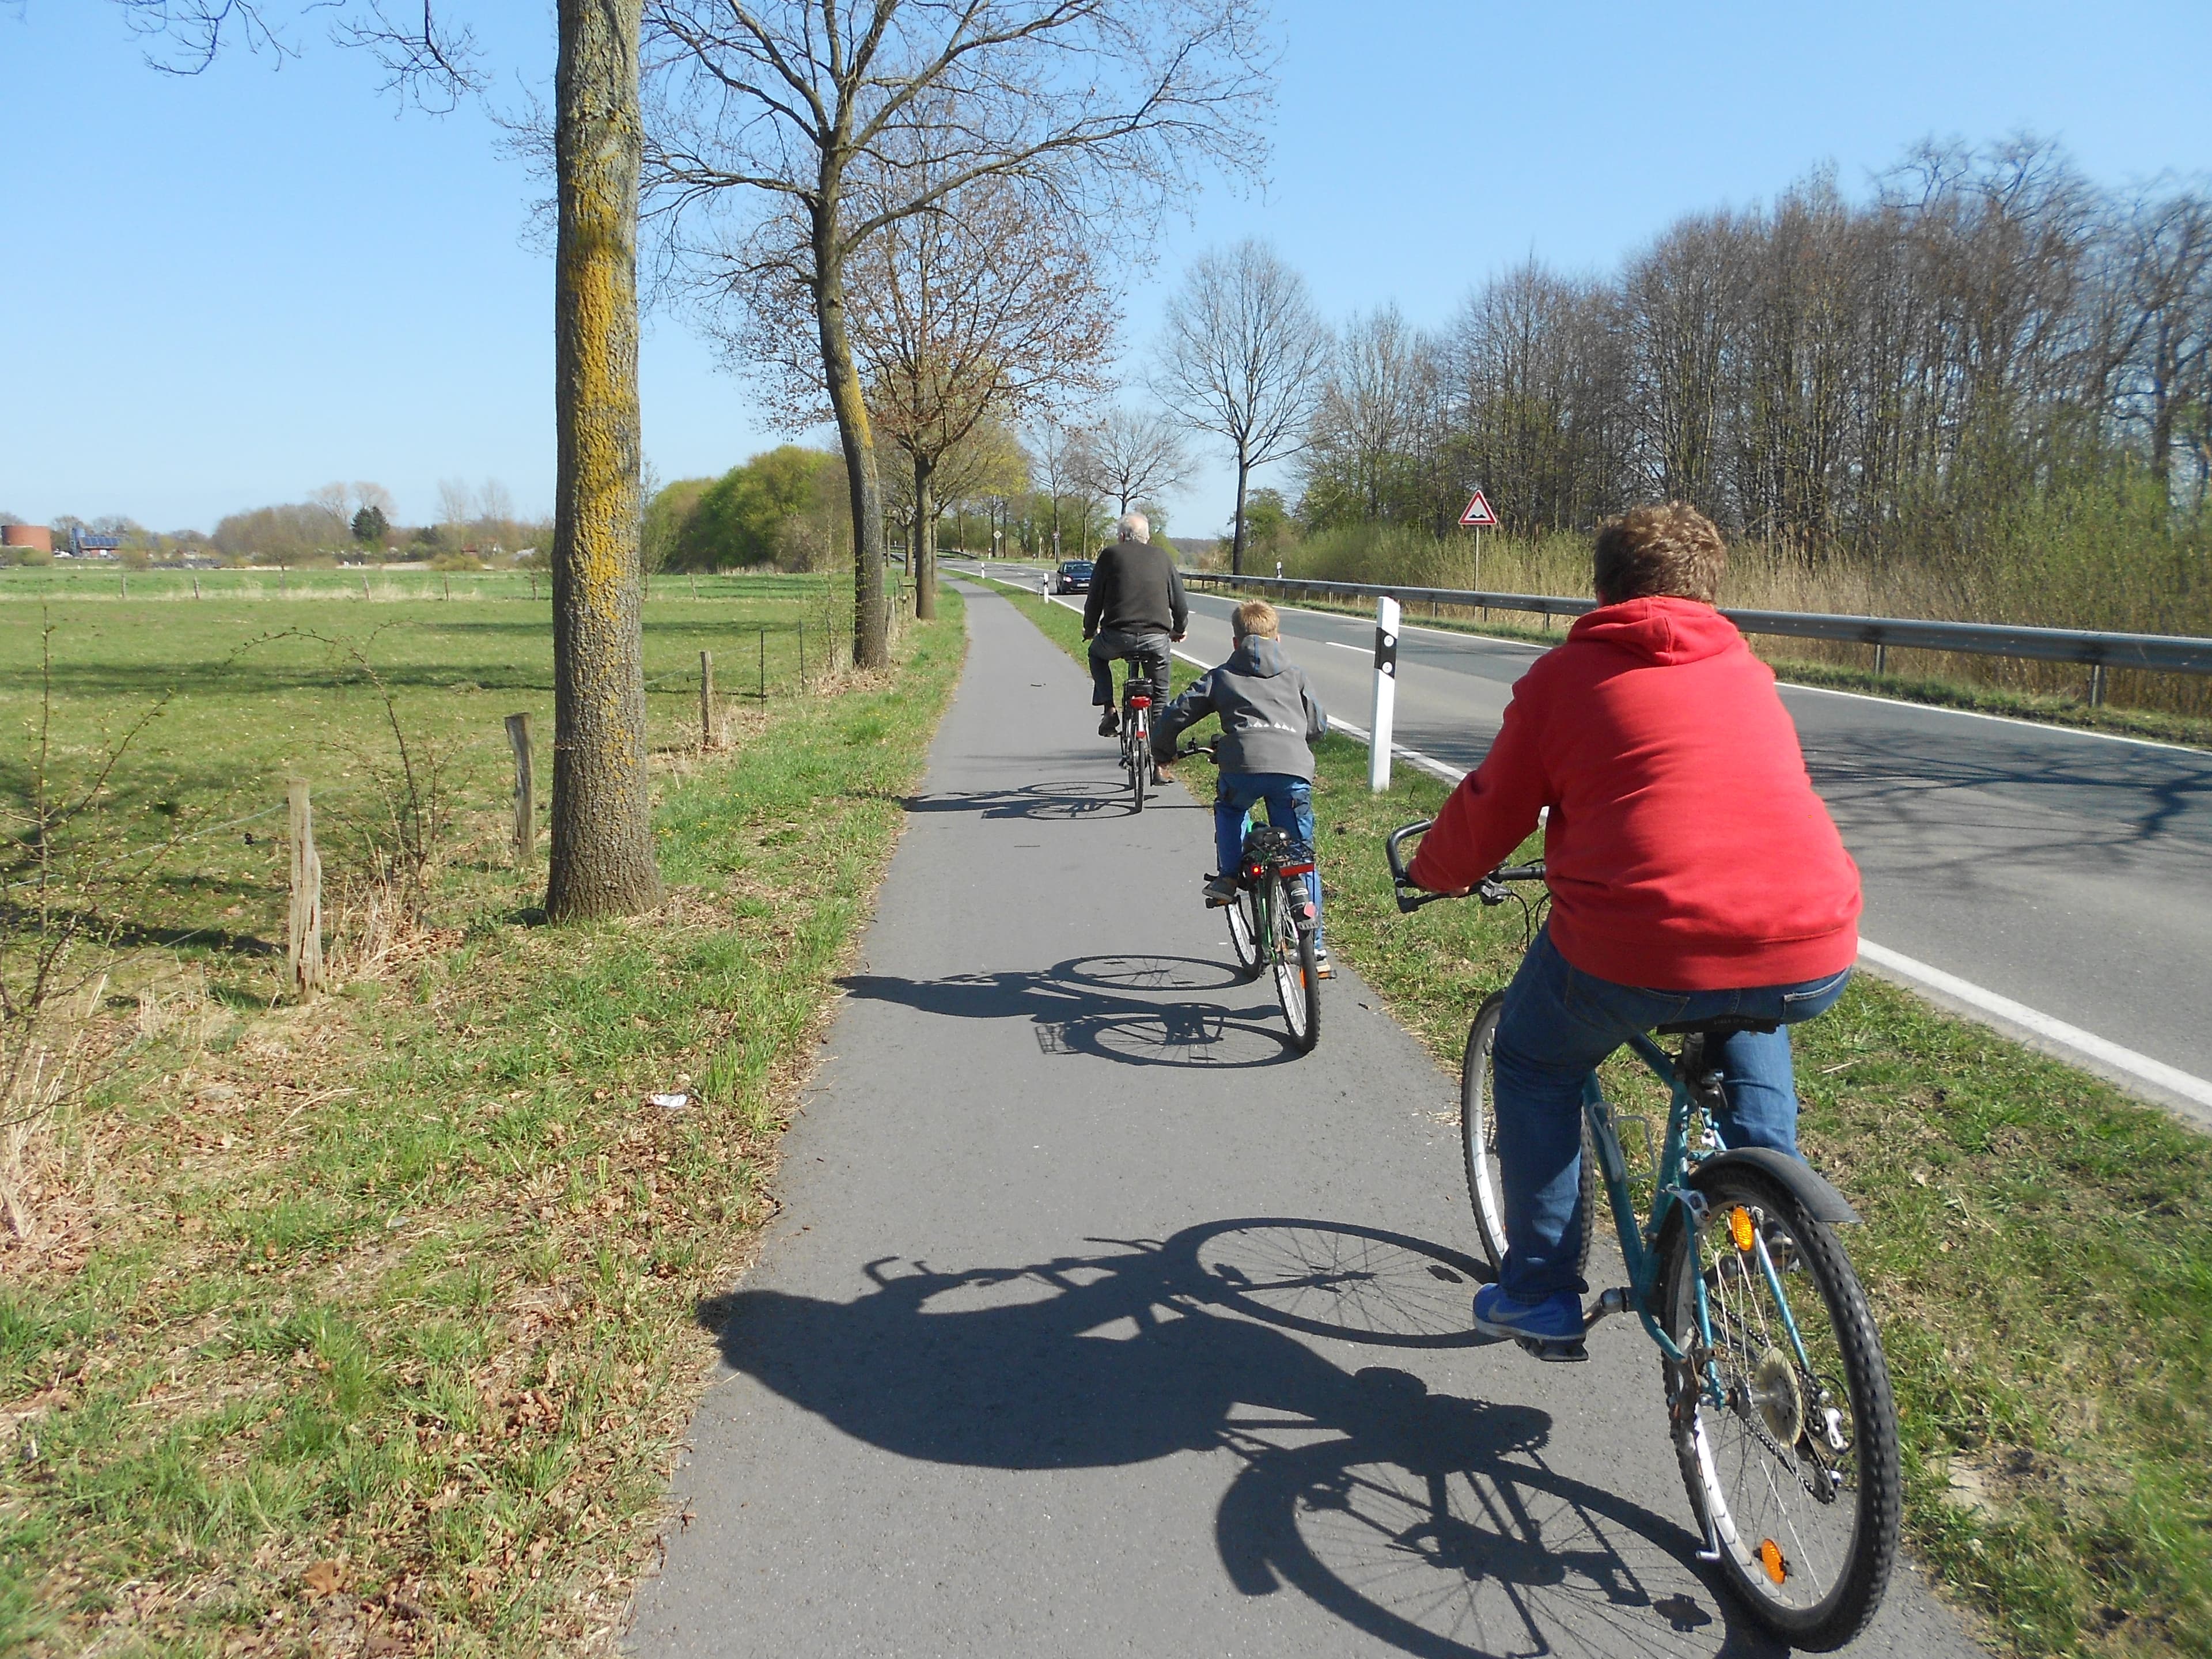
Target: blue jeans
(1290, 806)
(1559, 1023)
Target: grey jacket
(1270, 715)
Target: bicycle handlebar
(1491, 890)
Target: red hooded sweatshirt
(1686, 850)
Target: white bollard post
(1386, 693)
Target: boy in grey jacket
(1271, 718)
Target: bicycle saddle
(1719, 1025)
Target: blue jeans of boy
(1559, 1023)
(1290, 806)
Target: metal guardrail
(2165, 653)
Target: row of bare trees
(1888, 376)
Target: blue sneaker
(1555, 1318)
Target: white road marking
(2071, 1040)
(2004, 719)
(1364, 650)
(2056, 1032)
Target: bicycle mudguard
(1821, 1201)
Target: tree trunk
(1237, 542)
(870, 621)
(602, 860)
(924, 542)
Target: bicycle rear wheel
(1795, 1476)
(1478, 1139)
(1244, 930)
(1297, 977)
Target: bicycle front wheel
(1298, 975)
(1478, 1139)
(1795, 1474)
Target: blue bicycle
(1778, 1398)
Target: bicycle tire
(1298, 975)
(1759, 1502)
(1244, 932)
(1478, 1144)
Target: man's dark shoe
(1109, 723)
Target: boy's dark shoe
(1221, 890)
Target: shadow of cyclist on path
(1430, 1522)
(1109, 1007)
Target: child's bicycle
(1778, 1394)
(1137, 731)
(1271, 923)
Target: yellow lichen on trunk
(602, 861)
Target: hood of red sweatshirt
(1663, 629)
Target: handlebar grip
(1398, 838)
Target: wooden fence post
(448, 582)
(525, 793)
(364, 585)
(763, 667)
(196, 586)
(802, 656)
(304, 953)
(706, 737)
(694, 587)
(123, 584)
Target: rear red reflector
(1298, 869)
(1140, 702)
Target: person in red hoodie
(1694, 873)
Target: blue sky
(226, 291)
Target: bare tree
(602, 860)
(1129, 453)
(1052, 464)
(771, 109)
(961, 317)
(1242, 353)
(334, 501)
(456, 502)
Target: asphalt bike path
(2067, 872)
(1097, 1322)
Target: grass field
(368, 1325)
(259, 691)
(2039, 1248)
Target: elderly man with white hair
(1136, 608)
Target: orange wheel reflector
(1740, 1229)
(1770, 1553)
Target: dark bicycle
(1779, 1400)
(1137, 761)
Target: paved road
(2064, 870)
(1097, 1323)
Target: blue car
(1073, 576)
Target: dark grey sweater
(1135, 589)
(1270, 715)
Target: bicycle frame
(1639, 1246)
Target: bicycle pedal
(1555, 1354)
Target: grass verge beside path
(2043, 707)
(388, 1328)
(2037, 1246)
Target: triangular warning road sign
(1478, 515)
